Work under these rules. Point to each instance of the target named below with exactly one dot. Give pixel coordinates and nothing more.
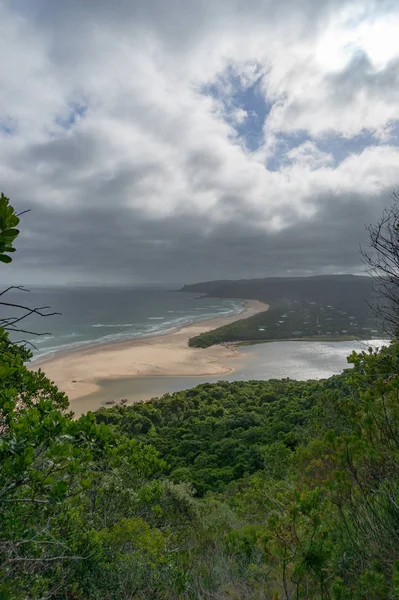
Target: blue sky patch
(8, 125)
(394, 134)
(76, 112)
(342, 147)
(338, 146)
(235, 94)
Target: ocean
(96, 315)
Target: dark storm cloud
(126, 246)
(176, 16)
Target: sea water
(97, 315)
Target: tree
(9, 220)
(382, 259)
(45, 456)
(80, 505)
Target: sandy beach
(78, 372)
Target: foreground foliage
(257, 490)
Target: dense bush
(277, 489)
(216, 433)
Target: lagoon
(273, 360)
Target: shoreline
(76, 372)
(91, 347)
(314, 338)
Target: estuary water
(274, 360)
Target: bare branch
(43, 559)
(28, 500)
(30, 311)
(21, 288)
(9, 323)
(35, 310)
(382, 259)
(23, 212)
(17, 330)
(26, 343)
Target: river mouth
(276, 360)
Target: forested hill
(350, 290)
(333, 306)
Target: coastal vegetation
(294, 319)
(214, 434)
(276, 490)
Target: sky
(190, 140)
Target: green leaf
(5, 259)
(11, 233)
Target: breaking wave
(153, 326)
(114, 325)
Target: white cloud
(152, 145)
(309, 155)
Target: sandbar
(77, 372)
